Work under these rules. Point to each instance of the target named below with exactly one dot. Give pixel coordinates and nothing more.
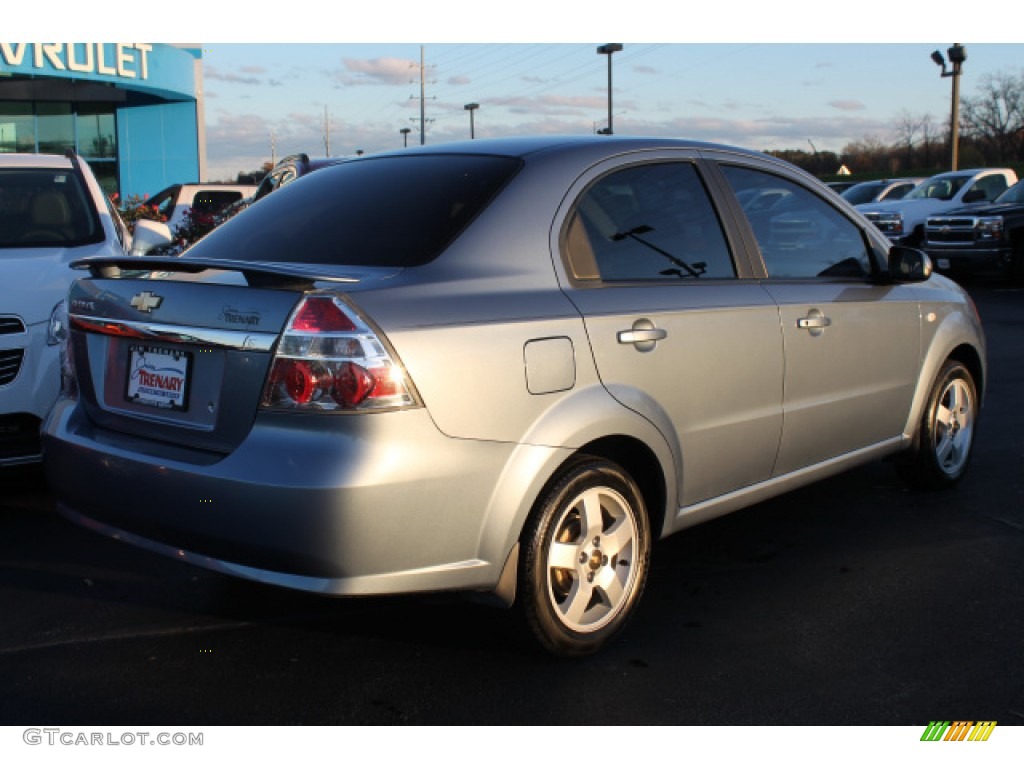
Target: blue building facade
(134, 111)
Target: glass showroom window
(17, 127)
(96, 134)
(96, 131)
(55, 125)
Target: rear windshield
(388, 211)
(45, 207)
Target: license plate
(158, 377)
(943, 263)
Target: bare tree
(908, 127)
(931, 135)
(869, 155)
(995, 118)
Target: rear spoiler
(257, 274)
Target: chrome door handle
(642, 334)
(814, 321)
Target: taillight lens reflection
(329, 359)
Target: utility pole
(423, 101)
(327, 133)
(273, 150)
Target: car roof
(17, 160)
(529, 145)
(967, 172)
(885, 182)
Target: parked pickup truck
(903, 221)
(980, 238)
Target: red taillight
(321, 315)
(302, 380)
(328, 359)
(352, 384)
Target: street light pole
(471, 108)
(423, 101)
(957, 56)
(608, 50)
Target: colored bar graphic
(935, 730)
(982, 730)
(959, 730)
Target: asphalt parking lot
(850, 602)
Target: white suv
(52, 211)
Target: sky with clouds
(265, 101)
(787, 74)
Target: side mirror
(975, 196)
(908, 265)
(149, 235)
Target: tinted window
(1014, 194)
(45, 207)
(387, 211)
(990, 187)
(212, 200)
(270, 182)
(938, 187)
(648, 222)
(862, 193)
(801, 235)
(898, 192)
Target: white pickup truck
(902, 221)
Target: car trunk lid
(177, 351)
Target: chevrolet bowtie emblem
(146, 301)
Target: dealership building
(134, 111)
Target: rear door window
(648, 222)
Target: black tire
(585, 553)
(945, 436)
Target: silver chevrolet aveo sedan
(504, 367)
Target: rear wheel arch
(638, 460)
(583, 556)
(641, 464)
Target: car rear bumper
(346, 505)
